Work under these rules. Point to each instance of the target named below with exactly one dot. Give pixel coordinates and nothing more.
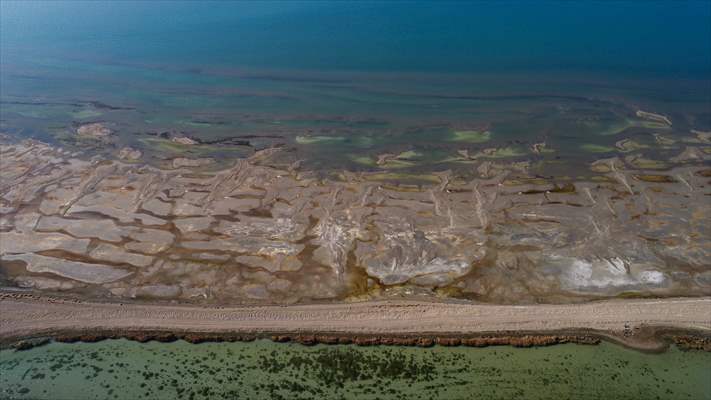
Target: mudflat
(258, 232)
(23, 316)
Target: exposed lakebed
(260, 231)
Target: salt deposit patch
(601, 274)
(652, 277)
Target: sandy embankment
(627, 321)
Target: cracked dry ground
(254, 233)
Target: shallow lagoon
(335, 114)
(120, 369)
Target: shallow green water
(120, 369)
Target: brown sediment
(655, 178)
(655, 340)
(255, 233)
(693, 342)
(648, 325)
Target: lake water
(120, 369)
(340, 83)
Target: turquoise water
(119, 369)
(381, 77)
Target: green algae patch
(311, 140)
(401, 177)
(600, 178)
(471, 136)
(526, 181)
(396, 163)
(86, 113)
(408, 155)
(646, 163)
(363, 160)
(463, 156)
(596, 148)
(619, 127)
(628, 145)
(509, 152)
(405, 159)
(460, 159)
(655, 178)
(616, 128)
(122, 370)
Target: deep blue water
(659, 37)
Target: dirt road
(26, 316)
